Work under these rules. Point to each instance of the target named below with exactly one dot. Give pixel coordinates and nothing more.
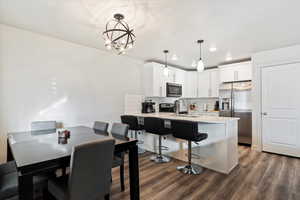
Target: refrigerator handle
(232, 100)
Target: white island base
(218, 152)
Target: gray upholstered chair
(120, 131)
(8, 181)
(43, 125)
(101, 127)
(90, 173)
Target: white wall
(264, 59)
(43, 78)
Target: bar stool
(156, 126)
(134, 127)
(188, 130)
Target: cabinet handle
(160, 91)
(235, 75)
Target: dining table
(38, 152)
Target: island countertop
(193, 118)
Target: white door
(280, 109)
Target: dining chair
(43, 125)
(8, 181)
(120, 131)
(90, 173)
(101, 127)
(9, 187)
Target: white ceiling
(235, 27)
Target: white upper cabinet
(208, 83)
(236, 72)
(179, 76)
(214, 83)
(154, 80)
(203, 84)
(191, 85)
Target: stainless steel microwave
(174, 90)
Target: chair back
(186, 130)
(119, 130)
(101, 127)
(43, 125)
(152, 124)
(132, 121)
(90, 170)
(156, 126)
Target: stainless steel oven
(174, 90)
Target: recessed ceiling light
(174, 57)
(213, 49)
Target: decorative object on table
(193, 106)
(118, 35)
(166, 70)
(200, 64)
(63, 136)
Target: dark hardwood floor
(260, 176)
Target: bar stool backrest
(132, 122)
(186, 130)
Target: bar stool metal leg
(159, 158)
(140, 150)
(190, 168)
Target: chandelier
(117, 35)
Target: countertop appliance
(166, 107)
(174, 90)
(235, 101)
(148, 107)
(180, 107)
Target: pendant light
(118, 35)
(200, 64)
(166, 70)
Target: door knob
(264, 113)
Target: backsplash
(198, 102)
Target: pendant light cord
(166, 57)
(200, 51)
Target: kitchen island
(218, 152)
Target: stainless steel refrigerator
(235, 101)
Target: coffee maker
(148, 107)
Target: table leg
(134, 173)
(25, 187)
(9, 156)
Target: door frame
(260, 61)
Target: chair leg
(189, 168)
(122, 177)
(107, 197)
(159, 158)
